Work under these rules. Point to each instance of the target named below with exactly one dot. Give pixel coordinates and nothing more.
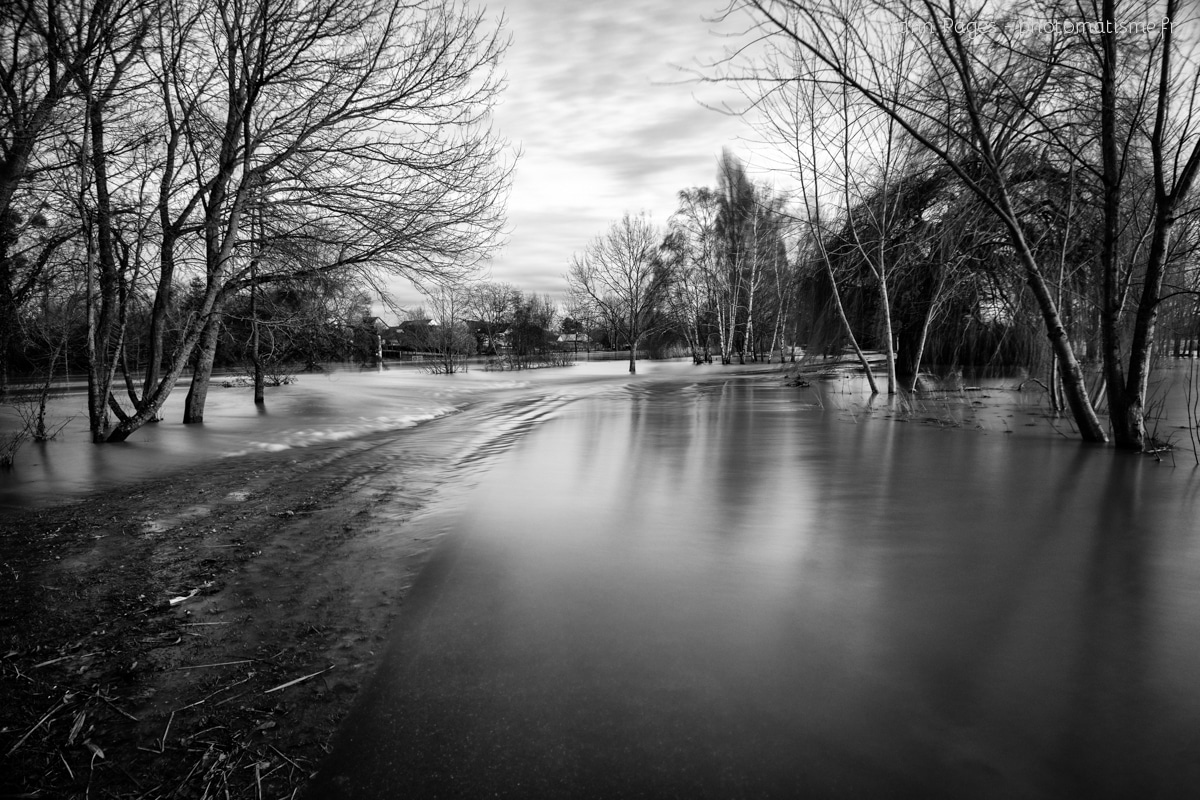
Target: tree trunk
(633, 343)
(193, 406)
(1131, 435)
(160, 311)
(920, 352)
(8, 301)
(8, 317)
(889, 341)
(259, 381)
(862, 359)
(1074, 387)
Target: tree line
(1004, 183)
(173, 172)
(1057, 142)
(507, 327)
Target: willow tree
(968, 102)
(354, 133)
(1110, 86)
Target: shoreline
(209, 629)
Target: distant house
(411, 335)
(373, 323)
(484, 343)
(574, 339)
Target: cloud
(606, 121)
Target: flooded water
(696, 588)
(318, 408)
(697, 584)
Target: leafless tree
(491, 304)
(809, 124)
(622, 275)
(43, 47)
(965, 102)
(694, 257)
(448, 335)
(1159, 78)
(356, 134)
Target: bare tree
(967, 103)
(1160, 79)
(42, 49)
(801, 119)
(448, 336)
(491, 305)
(694, 252)
(622, 275)
(1110, 85)
(354, 132)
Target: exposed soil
(202, 634)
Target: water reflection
(716, 591)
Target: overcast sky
(605, 121)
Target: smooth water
(318, 408)
(698, 584)
(724, 588)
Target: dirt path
(202, 634)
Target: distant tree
(301, 323)
(622, 274)
(692, 250)
(531, 330)
(447, 334)
(491, 305)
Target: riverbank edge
(203, 632)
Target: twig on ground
(218, 664)
(59, 706)
(297, 680)
(64, 658)
(217, 692)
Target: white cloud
(606, 120)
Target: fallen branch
(57, 707)
(218, 664)
(64, 658)
(297, 680)
(217, 692)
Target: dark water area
(725, 588)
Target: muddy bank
(201, 634)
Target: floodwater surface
(691, 583)
(725, 588)
(318, 409)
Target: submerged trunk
(1074, 387)
(889, 340)
(920, 351)
(193, 406)
(862, 359)
(259, 381)
(1129, 427)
